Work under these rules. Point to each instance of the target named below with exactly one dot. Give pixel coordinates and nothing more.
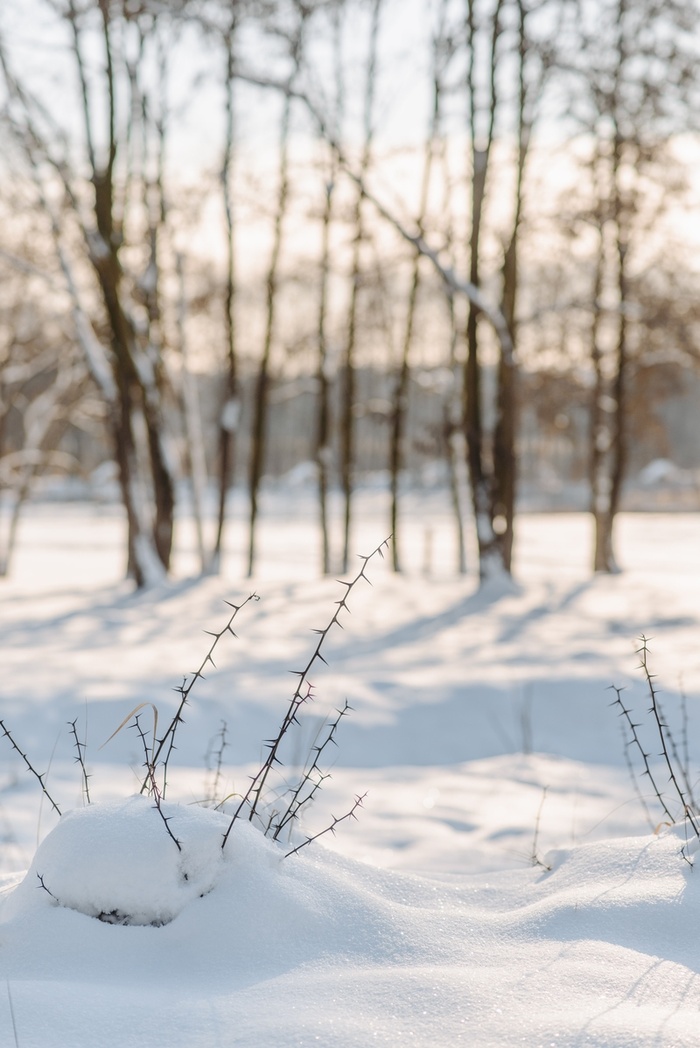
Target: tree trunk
(230, 408)
(322, 450)
(400, 403)
(257, 447)
(347, 423)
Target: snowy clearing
(502, 884)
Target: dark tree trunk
(230, 407)
(257, 437)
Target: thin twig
(296, 798)
(215, 767)
(534, 857)
(167, 742)
(39, 777)
(12, 1013)
(684, 736)
(42, 884)
(80, 759)
(685, 763)
(252, 796)
(329, 829)
(153, 789)
(630, 767)
(627, 714)
(662, 729)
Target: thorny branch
(663, 731)
(330, 829)
(37, 775)
(253, 794)
(167, 741)
(80, 748)
(297, 798)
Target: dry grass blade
(129, 716)
(12, 1013)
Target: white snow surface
(502, 884)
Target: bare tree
(442, 53)
(323, 436)
(39, 401)
(491, 451)
(231, 409)
(261, 391)
(347, 422)
(123, 110)
(635, 73)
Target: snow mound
(116, 861)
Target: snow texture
(503, 885)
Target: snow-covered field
(502, 884)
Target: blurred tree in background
(366, 234)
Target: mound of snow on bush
(116, 861)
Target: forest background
(438, 242)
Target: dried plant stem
(152, 782)
(166, 743)
(215, 766)
(630, 768)
(635, 741)
(253, 794)
(12, 1013)
(534, 857)
(39, 777)
(297, 798)
(42, 884)
(685, 766)
(662, 729)
(330, 829)
(80, 748)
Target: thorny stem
(685, 766)
(296, 801)
(80, 748)
(329, 829)
(662, 728)
(32, 769)
(152, 782)
(215, 767)
(167, 741)
(627, 714)
(630, 768)
(675, 755)
(253, 794)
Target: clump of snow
(116, 862)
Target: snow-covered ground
(502, 884)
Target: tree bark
(257, 437)
(230, 408)
(347, 422)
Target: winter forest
(434, 236)
(349, 503)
